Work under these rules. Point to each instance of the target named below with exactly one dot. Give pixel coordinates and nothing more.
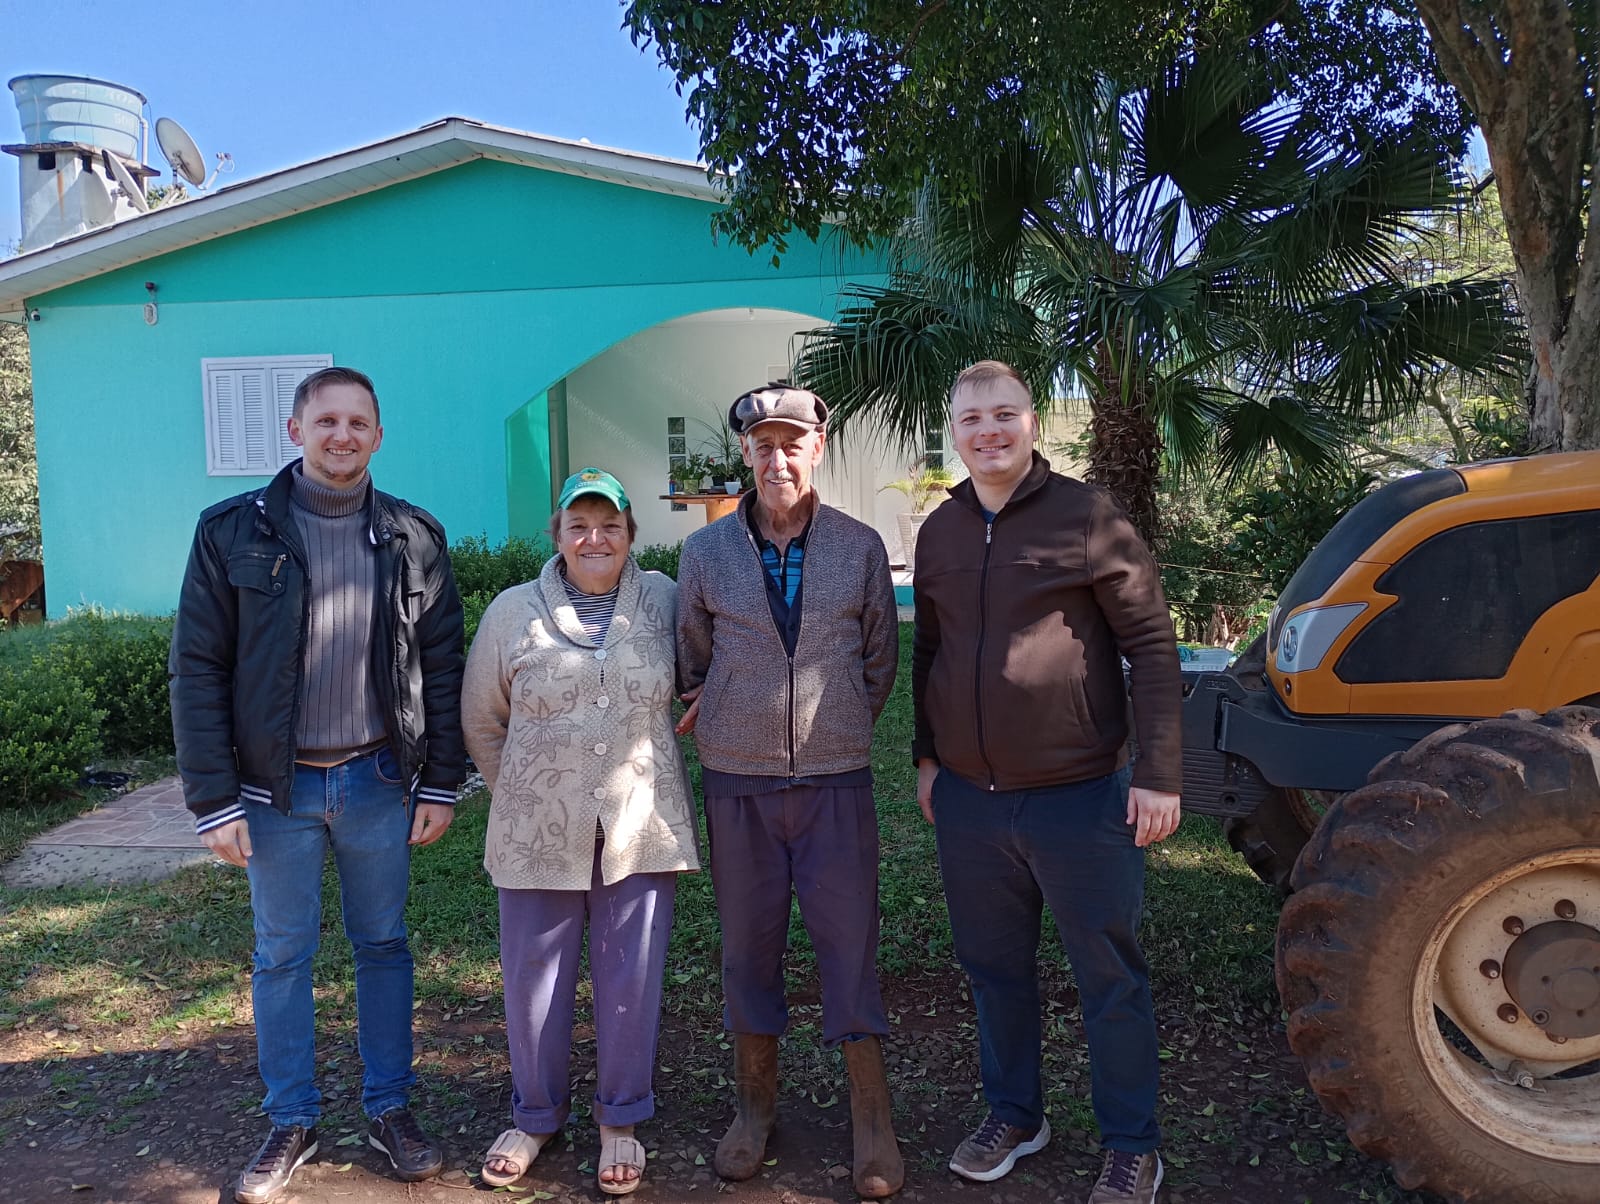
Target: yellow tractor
(1413, 751)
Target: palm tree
(1218, 278)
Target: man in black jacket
(316, 681)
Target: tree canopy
(842, 109)
(819, 109)
(1209, 269)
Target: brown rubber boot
(755, 1079)
(879, 1169)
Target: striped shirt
(784, 568)
(594, 610)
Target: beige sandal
(617, 1152)
(517, 1148)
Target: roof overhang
(434, 147)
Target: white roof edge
(214, 214)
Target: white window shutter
(248, 400)
(284, 383)
(224, 409)
(253, 419)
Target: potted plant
(924, 486)
(686, 476)
(731, 473)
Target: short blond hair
(987, 372)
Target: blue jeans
(1003, 855)
(358, 809)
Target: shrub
(122, 661)
(472, 608)
(480, 569)
(660, 558)
(49, 729)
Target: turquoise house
(525, 305)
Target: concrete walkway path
(141, 836)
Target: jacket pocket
(258, 572)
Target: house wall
(465, 294)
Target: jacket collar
(272, 505)
(1038, 474)
(552, 584)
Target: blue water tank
(76, 108)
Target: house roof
(434, 147)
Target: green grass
(176, 954)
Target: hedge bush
(481, 569)
(49, 729)
(660, 558)
(122, 661)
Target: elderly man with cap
(787, 649)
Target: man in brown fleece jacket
(1031, 588)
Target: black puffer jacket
(238, 660)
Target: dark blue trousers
(1004, 855)
(821, 843)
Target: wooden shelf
(718, 505)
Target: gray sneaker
(1128, 1177)
(994, 1147)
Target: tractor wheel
(1440, 961)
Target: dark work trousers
(822, 842)
(1004, 854)
(541, 944)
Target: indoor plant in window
(731, 474)
(924, 486)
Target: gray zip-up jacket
(761, 713)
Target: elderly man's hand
(1156, 812)
(690, 699)
(430, 821)
(231, 842)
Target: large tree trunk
(1125, 457)
(1517, 64)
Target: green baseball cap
(596, 481)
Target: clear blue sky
(277, 83)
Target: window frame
(210, 367)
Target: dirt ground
(103, 1116)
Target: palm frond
(892, 353)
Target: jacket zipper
(788, 656)
(977, 667)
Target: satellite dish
(126, 182)
(97, 206)
(180, 150)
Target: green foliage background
(19, 469)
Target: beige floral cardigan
(568, 734)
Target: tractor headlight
(1308, 635)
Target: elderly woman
(567, 712)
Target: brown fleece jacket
(1021, 626)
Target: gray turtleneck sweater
(339, 709)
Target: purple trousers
(822, 843)
(541, 942)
